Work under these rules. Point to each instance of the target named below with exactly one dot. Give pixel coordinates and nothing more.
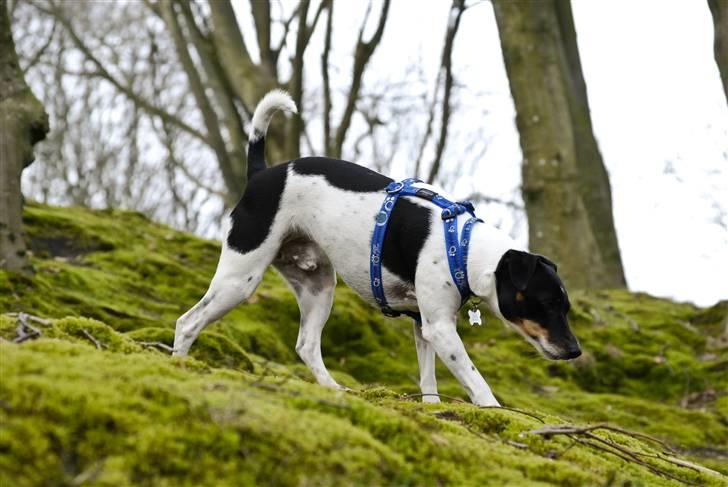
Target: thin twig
(25, 330)
(96, 342)
(24, 335)
(451, 398)
(161, 345)
(29, 317)
(648, 466)
(563, 429)
(609, 446)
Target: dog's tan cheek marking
(519, 296)
(534, 329)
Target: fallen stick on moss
(28, 317)
(576, 433)
(25, 331)
(630, 458)
(562, 429)
(443, 396)
(93, 339)
(161, 345)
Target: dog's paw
(431, 399)
(488, 404)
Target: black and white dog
(313, 217)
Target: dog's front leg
(442, 335)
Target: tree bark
(565, 184)
(23, 122)
(719, 11)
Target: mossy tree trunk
(719, 10)
(23, 122)
(565, 184)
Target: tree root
(579, 433)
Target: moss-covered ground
(244, 411)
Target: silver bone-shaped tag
(474, 317)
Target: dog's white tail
(273, 101)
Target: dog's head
(532, 298)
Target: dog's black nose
(573, 353)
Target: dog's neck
(487, 246)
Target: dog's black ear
(521, 266)
(548, 262)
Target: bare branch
(261, 19)
(312, 27)
(223, 94)
(456, 12)
(286, 28)
(608, 446)
(103, 73)
(568, 428)
(209, 116)
(25, 331)
(247, 80)
(325, 75)
(42, 50)
(362, 54)
(428, 127)
(295, 85)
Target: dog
(313, 217)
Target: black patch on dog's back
(409, 223)
(254, 213)
(342, 174)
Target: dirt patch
(66, 247)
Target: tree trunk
(719, 9)
(23, 122)
(565, 185)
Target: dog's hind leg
(236, 278)
(426, 360)
(310, 273)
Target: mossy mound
(96, 400)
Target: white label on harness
(474, 316)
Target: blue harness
(457, 250)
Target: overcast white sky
(658, 110)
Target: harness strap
(457, 251)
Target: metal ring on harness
(396, 188)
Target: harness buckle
(452, 211)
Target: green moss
(212, 348)
(243, 410)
